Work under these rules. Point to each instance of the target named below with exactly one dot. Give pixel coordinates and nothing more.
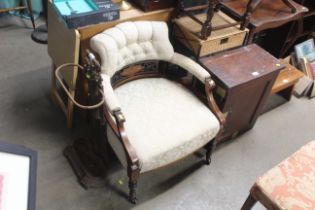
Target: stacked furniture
(259, 15)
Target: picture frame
(304, 48)
(18, 174)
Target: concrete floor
(28, 117)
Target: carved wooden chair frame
(154, 69)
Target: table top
(241, 65)
(269, 11)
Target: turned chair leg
(132, 191)
(249, 203)
(251, 6)
(178, 9)
(209, 148)
(207, 25)
(133, 174)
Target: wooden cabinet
(244, 78)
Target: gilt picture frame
(18, 169)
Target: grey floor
(28, 117)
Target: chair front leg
(133, 174)
(133, 169)
(249, 203)
(209, 150)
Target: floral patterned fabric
(291, 184)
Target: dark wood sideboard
(244, 78)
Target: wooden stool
(20, 7)
(289, 185)
(260, 15)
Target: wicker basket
(186, 31)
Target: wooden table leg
(29, 6)
(296, 29)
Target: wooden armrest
(209, 86)
(132, 157)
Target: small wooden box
(186, 31)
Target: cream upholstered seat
(153, 121)
(152, 107)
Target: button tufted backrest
(132, 42)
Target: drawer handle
(223, 41)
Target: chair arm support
(191, 66)
(132, 158)
(111, 101)
(209, 86)
(113, 107)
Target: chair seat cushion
(291, 184)
(164, 122)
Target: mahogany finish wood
(244, 79)
(259, 15)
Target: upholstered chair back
(132, 42)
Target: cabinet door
(245, 102)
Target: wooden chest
(244, 78)
(151, 5)
(186, 32)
